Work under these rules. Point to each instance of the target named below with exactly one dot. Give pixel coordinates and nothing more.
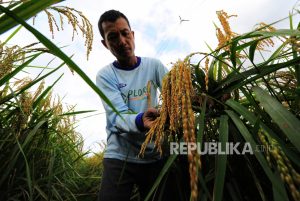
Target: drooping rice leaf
(275, 180)
(288, 123)
(249, 116)
(221, 160)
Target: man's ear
(132, 33)
(104, 43)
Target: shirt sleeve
(126, 122)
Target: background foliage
(41, 153)
(245, 90)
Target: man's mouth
(126, 50)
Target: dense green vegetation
(247, 90)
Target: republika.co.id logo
(213, 148)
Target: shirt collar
(116, 64)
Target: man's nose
(122, 40)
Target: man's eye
(125, 33)
(112, 37)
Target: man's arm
(127, 121)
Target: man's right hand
(149, 116)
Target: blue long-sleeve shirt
(127, 90)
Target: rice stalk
(9, 55)
(268, 42)
(226, 35)
(149, 94)
(295, 43)
(177, 117)
(39, 90)
(206, 73)
(82, 24)
(287, 172)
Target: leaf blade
(288, 123)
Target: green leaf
(60, 54)
(275, 180)
(233, 53)
(220, 68)
(201, 122)
(237, 79)
(221, 160)
(249, 116)
(164, 170)
(12, 35)
(27, 86)
(25, 10)
(276, 194)
(77, 112)
(200, 76)
(279, 32)
(7, 77)
(288, 123)
(28, 175)
(45, 92)
(252, 50)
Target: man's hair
(110, 16)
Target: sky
(158, 33)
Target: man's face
(119, 39)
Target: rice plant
(41, 153)
(246, 92)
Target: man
(124, 82)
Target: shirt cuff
(139, 122)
